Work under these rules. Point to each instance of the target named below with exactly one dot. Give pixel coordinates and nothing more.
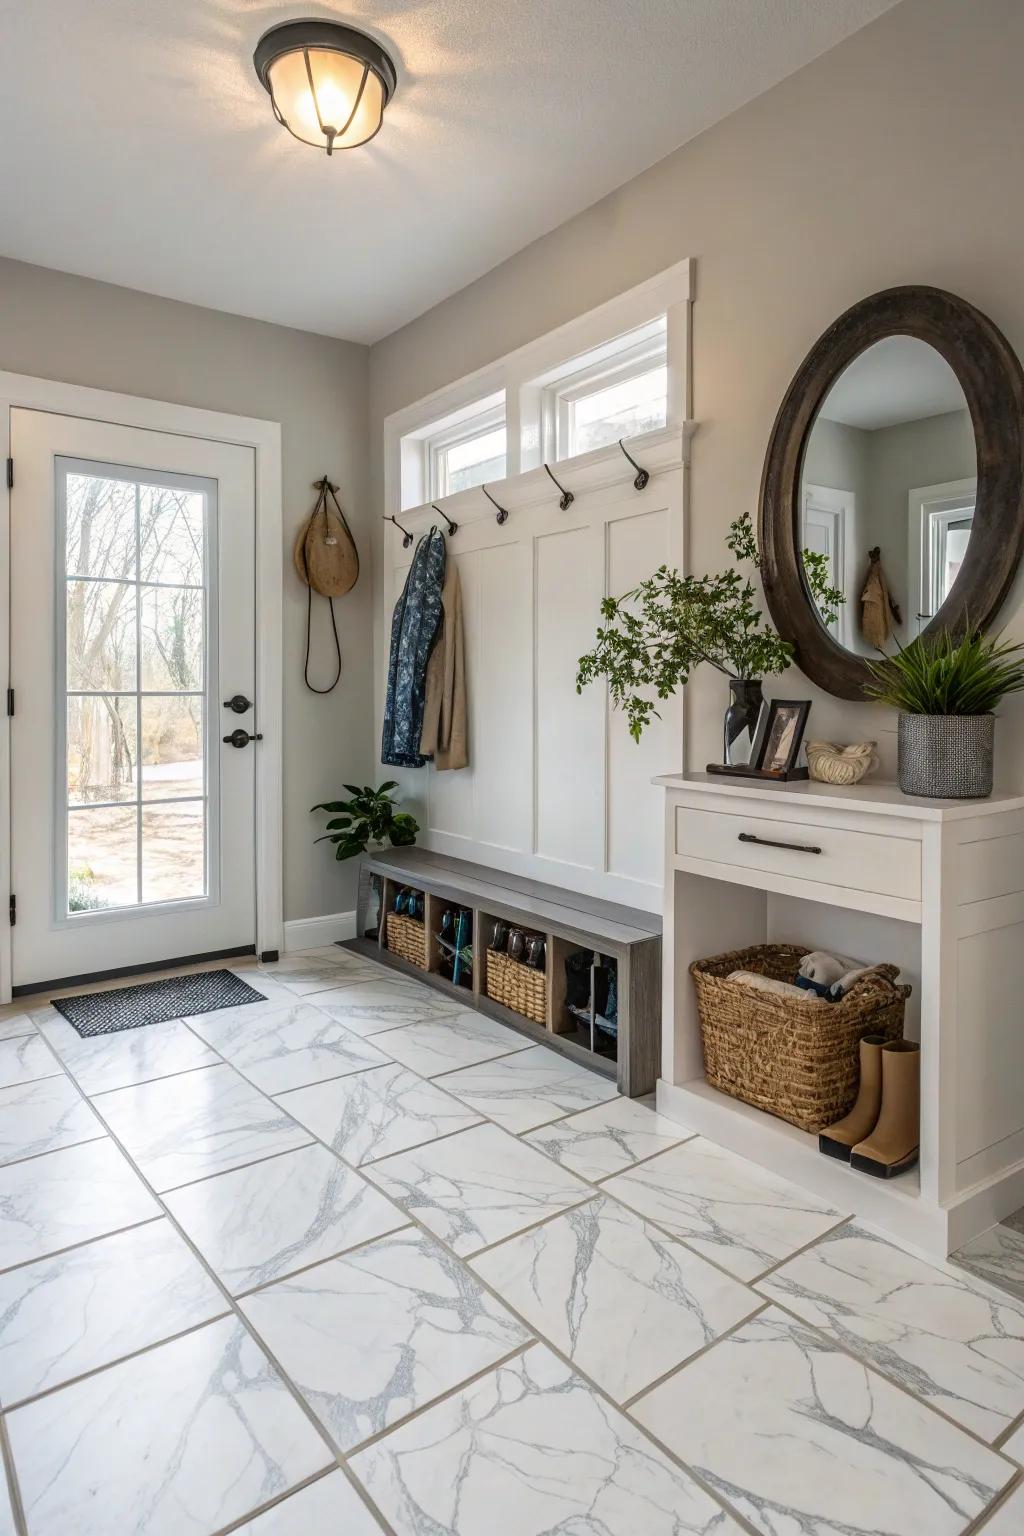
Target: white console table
(936, 887)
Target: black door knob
(239, 703)
(241, 738)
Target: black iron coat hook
(406, 535)
(567, 496)
(642, 475)
(501, 515)
(452, 527)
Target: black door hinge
(10, 702)
(14, 910)
(10, 474)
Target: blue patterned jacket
(413, 632)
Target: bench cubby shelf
(569, 921)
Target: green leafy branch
(656, 634)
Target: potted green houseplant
(946, 688)
(370, 817)
(656, 634)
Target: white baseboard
(315, 932)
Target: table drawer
(863, 861)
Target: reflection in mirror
(887, 494)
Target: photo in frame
(780, 734)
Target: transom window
(132, 769)
(617, 390)
(469, 453)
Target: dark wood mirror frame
(991, 378)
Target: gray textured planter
(946, 756)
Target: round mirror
(887, 495)
(892, 501)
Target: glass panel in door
(133, 769)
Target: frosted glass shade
(328, 83)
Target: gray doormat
(154, 1002)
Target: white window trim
(618, 365)
(669, 295)
(923, 502)
(438, 443)
(264, 438)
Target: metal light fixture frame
(333, 36)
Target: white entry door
(132, 622)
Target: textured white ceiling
(138, 146)
(896, 380)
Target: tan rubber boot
(840, 1139)
(892, 1147)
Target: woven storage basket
(407, 937)
(518, 986)
(798, 1060)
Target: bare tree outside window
(135, 628)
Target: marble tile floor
(356, 1258)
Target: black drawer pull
(766, 842)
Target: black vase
(741, 718)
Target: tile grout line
(16, 1162)
(329, 1258)
(981, 1522)
(265, 1509)
(97, 1237)
(1009, 1432)
(652, 1386)
(97, 1370)
(445, 1396)
(9, 1473)
(642, 1161)
(235, 1310)
(773, 1269)
(142, 1082)
(267, 1157)
(106, 1093)
(839, 1348)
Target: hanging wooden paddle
(327, 561)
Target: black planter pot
(741, 717)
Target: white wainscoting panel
(570, 727)
(556, 787)
(636, 546)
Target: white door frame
(840, 508)
(264, 437)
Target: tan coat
(445, 735)
(877, 608)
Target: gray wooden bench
(570, 923)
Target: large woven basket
(518, 986)
(793, 1058)
(407, 937)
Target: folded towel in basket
(767, 984)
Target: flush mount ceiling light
(328, 83)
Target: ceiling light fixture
(328, 83)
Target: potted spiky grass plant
(946, 688)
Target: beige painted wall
(885, 161)
(70, 328)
